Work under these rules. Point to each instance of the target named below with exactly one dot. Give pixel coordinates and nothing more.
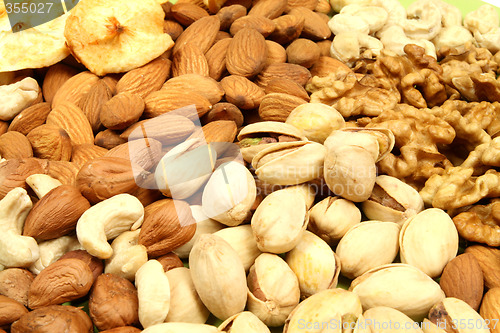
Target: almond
(302, 52)
(55, 77)
(56, 214)
(296, 73)
(187, 13)
(247, 53)
(203, 85)
(286, 86)
(225, 111)
(277, 106)
(222, 35)
(63, 171)
(217, 131)
(15, 284)
(268, 8)
(324, 47)
(489, 260)
(4, 127)
(146, 79)
(13, 173)
(15, 145)
(323, 7)
(490, 309)
(161, 231)
(95, 264)
(50, 142)
(81, 154)
(91, 104)
(54, 318)
(260, 23)
(216, 58)
(169, 129)
(173, 28)
(163, 101)
(111, 80)
(189, 60)
(242, 92)
(275, 53)
(227, 15)
(170, 261)
(108, 139)
(122, 111)
(201, 33)
(64, 280)
(30, 118)
(288, 28)
(245, 3)
(309, 4)
(146, 153)
(71, 118)
(123, 329)
(462, 278)
(315, 27)
(10, 310)
(74, 88)
(326, 65)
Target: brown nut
(489, 260)
(170, 261)
(54, 318)
(123, 329)
(95, 264)
(10, 310)
(15, 283)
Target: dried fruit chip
(110, 36)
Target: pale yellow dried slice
(114, 36)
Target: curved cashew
(17, 96)
(106, 220)
(42, 184)
(348, 47)
(450, 15)
(128, 255)
(16, 250)
(452, 36)
(394, 39)
(337, 5)
(52, 250)
(489, 40)
(482, 20)
(424, 20)
(153, 291)
(348, 23)
(396, 13)
(374, 16)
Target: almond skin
(71, 118)
(15, 284)
(296, 73)
(13, 173)
(91, 104)
(326, 65)
(163, 101)
(169, 129)
(201, 33)
(73, 89)
(81, 154)
(268, 8)
(309, 4)
(260, 23)
(187, 13)
(170, 261)
(95, 264)
(64, 280)
(286, 86)
(315, 27)
(203, 85)
(54, 318)
(55, 77)
(50, 142)
(303, 52)
(216, 58)
(56, 214)
(146, 153)
(275, 53)
(30, 118)
(121, 111)
(15, 145)
(123, 329)
(490, 308)
(288, 28)
(173, 28)
(225, 111)
(189, 60)
(227, 15)
(247, 53)
(489, 260)
(108, 139)
(277, 106)
(10, 310)
(63, 171)
(242, 92)
(217, 131)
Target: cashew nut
(17, 96)
(16, 250)
(396, 13)
(374, 16)
(394, 39)
(452, 36)
(153, 291)
(489, 40)
(42, 184)
(337, 5)
(450, 15)
(106, 220)
(424, 20)
(482, 20)
(345, 23)
(128, 255)
(349, 47)
(52, 250)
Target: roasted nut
(96, 265)
(54, 318)
(10, 311)
(15, 284)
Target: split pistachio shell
(243, 242)
(327, 306)
(457, 316)
(185, 304)
(273, 289)
(399, 286)
(332, 217)
(218, 276)
(128, 255)
(229, 194)
(244, 322)
(315, 264)
(279, 221)
(181, 327)
(290, 163)
(429, 240)
(366, 246)
(316, 120)
(383, 319)
(429, 327)
(306, 190)
(392, 200)
(204, 225)
(251, 135)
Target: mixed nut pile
(272, 165)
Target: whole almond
(324, 17)
(30, 118)
(187, 13)
(13, 173)
(15, 145)
(173, 28)
(314, 26)
(161, 231)
(462, 278)
(4, 127)
(50, 142)
(169, 129)
(260, 23)
(144, 80)
(296, 73)
(63, 171)
(15, 283)
(201, 33)
(111, 80)
(71, 118)
(288, 28)
(225, 111)
(203, 85)
(490, 309)
(56, 214)
(275, 53)
(309, 4)
(268, 8)
(323, 7)
(95, 264)
(242, 92)
(108, 139)
(247, 53)
(222, 35)
(189, 60)
(324, 47)
(286, 86)
(227, 15)
(217, 131)
(302, 52)
(10, 310)
(326, 65)
(277, 106)
(81, 154)
(216, 58)
(245, 3)
(170, 261)
(91, 104)
(121, 111)
(54, 318)
(144, 152)
(55, 77)
(74, 88)
(64, 280)
(489, 260)
(123, 329)
(163, 101)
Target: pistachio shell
(243, 242)
(181, 327)
(244, 322)
(457, 316)
(384, 319)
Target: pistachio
(366, 246)
(279, 221)
(332, 217)
(243, 242)
(181, 327)
(454, 315)
(429, 240)
(383, 319)
(273, 289)
(244, 322)
(316, 274)
(392, 200)
(306, 190)
(429, 327)
(290, 163)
